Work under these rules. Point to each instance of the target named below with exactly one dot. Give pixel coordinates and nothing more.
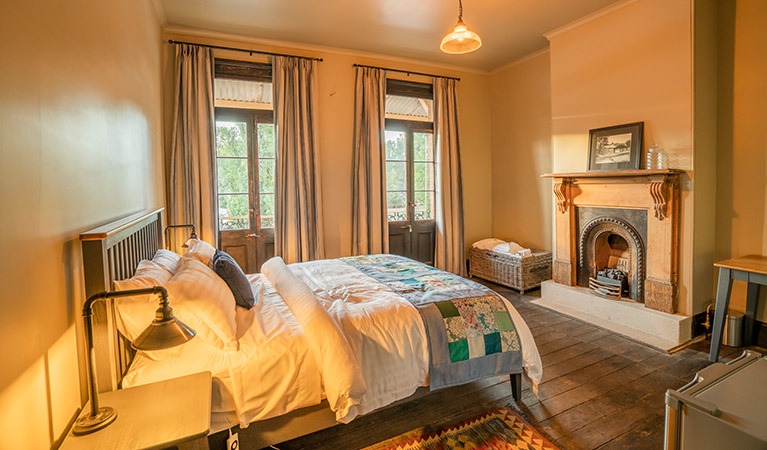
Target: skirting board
(657, 329)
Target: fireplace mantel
(656, 191)
(656, 179)
(615, 173)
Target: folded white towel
(501, 248)
(516, 248)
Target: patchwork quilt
(471, 334)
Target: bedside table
(153, 416)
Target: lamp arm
(193, 235)
(88, 322)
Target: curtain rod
(409, 72)
(171, 41)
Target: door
(410, 189)
(245, 164)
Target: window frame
(410, 127)
(252, 117)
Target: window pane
(423, 149)
(232, 175)
(266, 146)
(395, 144)
(424, 205)
(231, 139)
(396, 176)
(396, 204)
(267, 210)
(423, 174)
(233, 212)
(266, 176)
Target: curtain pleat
(450, 251)
(192, 196)
(298, 201)
(370, 228)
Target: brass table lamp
(165, 331)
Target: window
(409, 151)
(235, 173)
(244, 133)
(410, 185)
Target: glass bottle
(651, 156)
(656, 158)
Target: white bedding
(274, 371)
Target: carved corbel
(658, 191)
(561, 194)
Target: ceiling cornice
(588, 18)
(253, 41)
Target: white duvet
(276, 369)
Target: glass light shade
(165, 331)
(460, 40)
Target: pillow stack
(204, 288)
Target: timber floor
(599, 391)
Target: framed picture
(616, 148)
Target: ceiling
(509, 29)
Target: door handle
(409, 228)
(253, 235)
(412, 205)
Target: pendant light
(461, 39)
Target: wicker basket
(518, 272)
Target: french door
(245, 168)
(410, 189)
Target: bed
(277, 378)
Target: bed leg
(516, 386)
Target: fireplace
(617, 235)
(611, 251)
(622, 220)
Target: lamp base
(88, 424)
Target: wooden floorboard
(600, 390)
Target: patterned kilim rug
(501, 429)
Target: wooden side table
(153, 416)
(751, 269)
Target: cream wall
(521, 151)
(630, 64)
(336, 127)
(741, 177)
(80, 144)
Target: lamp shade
(460, 40)
(165, 331)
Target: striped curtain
(370, 228)
(298, 232)
(192, 197)
(449, 252)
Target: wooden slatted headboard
(112, 252)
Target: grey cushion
(228, 269)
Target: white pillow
(135, 313)
(150, 273)
(168, 260)
(200, 250)
(203, 301)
